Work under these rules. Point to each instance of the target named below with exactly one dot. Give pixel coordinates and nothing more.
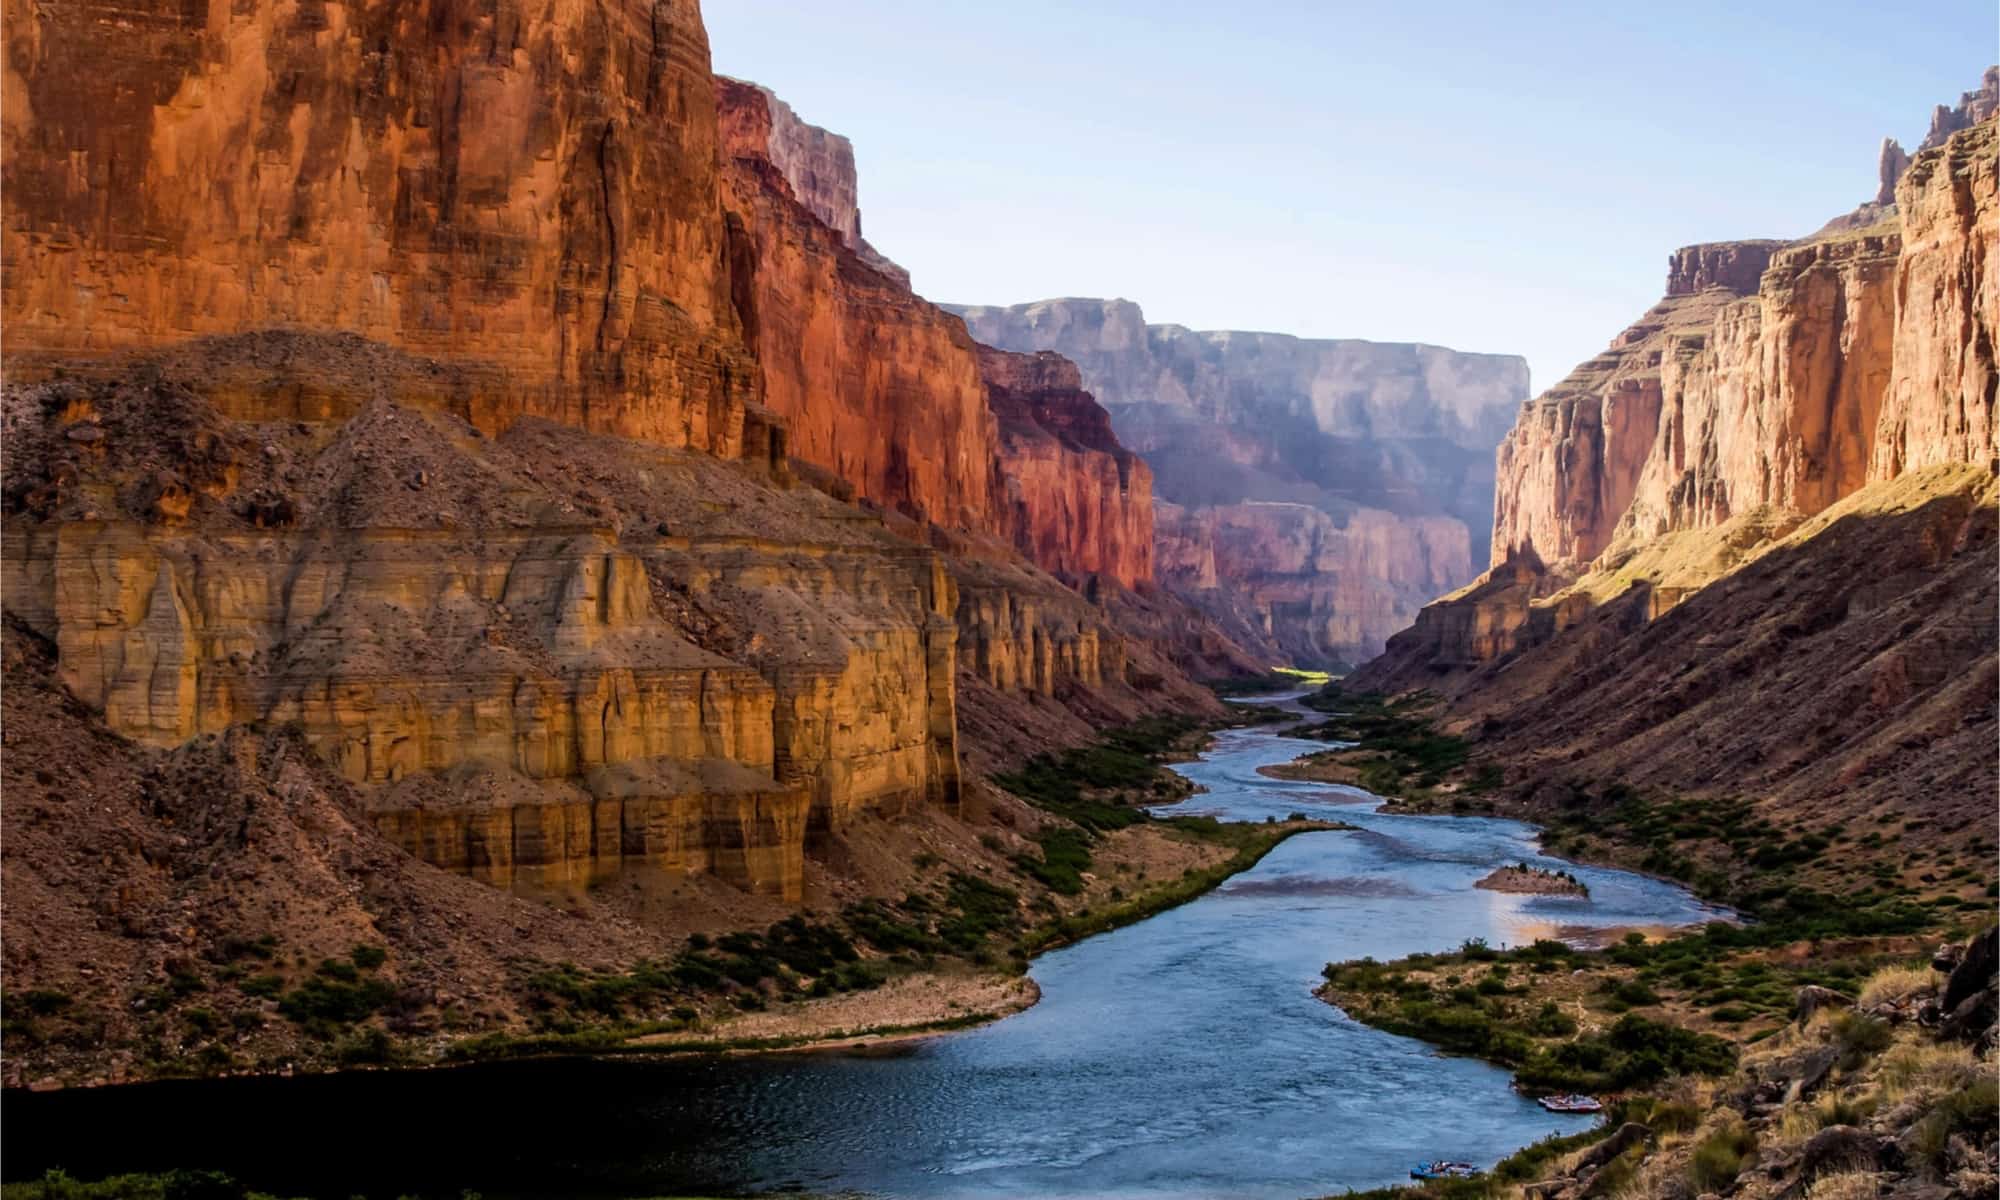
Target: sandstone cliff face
(1940, 399)
(1776, 403)
(817, 164)
(1972, 108)
(624, 654)
(1402, 433)
(1722, 420)
(1773, 375)
(1291, 576)
(1569, 468)
(873, 383)
(540, 655)
(528, 196)
(1076, 501)
(889, 392)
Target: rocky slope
(1752, 542)
(1245, 432)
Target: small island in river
(1533, 881)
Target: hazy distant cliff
(1243, 431)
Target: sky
(1490, 175)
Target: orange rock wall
(1865, 353)
(526, 192)
(1857, 354)
(1073, 500)
(890, 393)
(1940, 401)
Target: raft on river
(1443, 1169)
(1571, 1104)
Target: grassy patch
(1097, 786)
(1252, 842)
(1398, 751)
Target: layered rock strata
(817, 164)
(621, 652)
(890, 393)
(1946, 119)
(1752, 542)
(1073, 499)
(1241, 427)
(1856, 355)
(1315, 586)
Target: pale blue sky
(1488, 176)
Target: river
(1184, 1056)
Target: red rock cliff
(1864, 353)
(1940, 401)
(877, 385)
(527, 193)
(890, 393)
(1857, 353)
(1077, 502)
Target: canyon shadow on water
(1183, 1056)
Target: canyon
(1752, 541)
(1311, 494)
(519, 475)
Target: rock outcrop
(817, 164)
(1367, 434)
(1972, 108)
(1940, 398)
(1772, 375)
(591, 652)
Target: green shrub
(1065, 857)
(264, 986)
(1720, 1157)
(322, 1001)
(1673, 1116)
(1859, 1037)
(1551, 1022)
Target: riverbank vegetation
(956, 923)
(1279, 679)
(1726, 1049)
(1855, 1099)
(1396, 752)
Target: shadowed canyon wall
(1249, 434)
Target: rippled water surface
(1183, 1056)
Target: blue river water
(1184, 1056)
